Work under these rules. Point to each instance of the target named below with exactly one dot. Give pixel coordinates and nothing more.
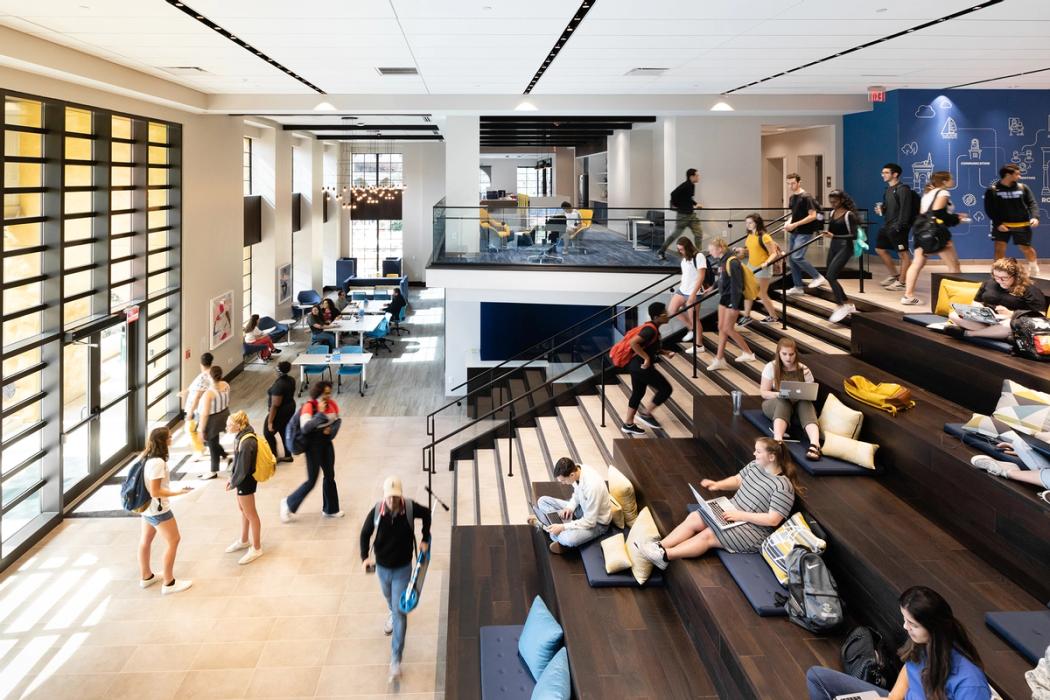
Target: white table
(344, 359)
(633, 222)
(372, 306)
(350, 324)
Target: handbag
(885, 396)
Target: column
(273, 181)
(462, 160)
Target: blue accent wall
(971, 133)
(507, 329)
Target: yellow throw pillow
(615, 550)
(838, 418)
(1022, 408)
(954, 292)
(617, 513)
(622, 490)
(848, 450)
(643, 530)
(985, 425)
(794, 532)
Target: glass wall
(91, 236)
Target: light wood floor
(302, 621)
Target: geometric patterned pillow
(1023, 408)
(985, 425)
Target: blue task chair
(351, 370)
(314, 370)
(307, 296)
(377, 339)
(358, 296)
(398, 330)
(280, 331)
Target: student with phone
(158, 516)
(779, 409)
(585, 516)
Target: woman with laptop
(940, 661)
(765, 491)
(1009, 290)
(788, 389)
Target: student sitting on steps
(587, 514)
(765, 491)
(785, 367)
(940, 661)
(1010, 289)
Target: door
(811, 168)
(96, 404)
(774, 192)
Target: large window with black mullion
(90, 229)
(376, 226)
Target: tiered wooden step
(490, 496)
(550, 433)
(672, 424)
(466, 512)
(591, 408)
(535, 459)
(703, 382)
(588, 450)
(806, 341)
(516, 488)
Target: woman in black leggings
(842, 230)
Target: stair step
(522, 403)
(465, 503)
(618, 404)
(797, 314)
(732, 374)
(535, 462)
(806, 341)
(588, 450)
(488, 488)
(680, 394)
(591, 405)
(516, 488)
(707, 386)
(671, 425)
(556, 445)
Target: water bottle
(737, 396)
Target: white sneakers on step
(745, 357)
(688, 337)
(717, 365)
(841, 312)
(818, 282)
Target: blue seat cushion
(825, 466)
(756, 581)
(540, 639)
(991, 344)
(594, 567)
(924, 319)
(504, 675)
(555, 683)
(1028, 632)
(978, 442)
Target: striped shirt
(759, 492)
(220, 399)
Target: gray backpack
(813, 600)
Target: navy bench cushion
(594, 567)
(927, 319)
(504, 675)
(1028, 632)
(955, 430)
(756, 581)
(826, 466)
(924, 319)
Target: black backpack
(865, 656)
(1031, 333)
(813, 599)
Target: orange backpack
(622, 353)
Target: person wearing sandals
(765, 492)
(242, 479)
(158, 516)
(938, 203)
(762, 250)
(786, 367)
(215, 411)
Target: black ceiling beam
(563, 120)
(186, 9)
(572, 26)
(359, 127)
(869, 44)
(532, 134)
(552, 129)
(392, 137)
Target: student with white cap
(392, 521)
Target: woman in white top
(214, 412)
(786, 367)
(937, 202)
(158, 516)
(254, 336)
(694, 267)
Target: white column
(462, 337)
(462, 160)
(329, 177)
(273, 181)
(314, 221)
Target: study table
(336, 359)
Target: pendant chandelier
(351, 195)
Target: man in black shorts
(647, 351)
(1013, 211)
(898, 208)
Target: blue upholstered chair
(350, 370)
(315, 371)
(376, 339)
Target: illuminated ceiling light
(324, 106)
(722, 106)
(526, 106)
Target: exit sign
(876, 93)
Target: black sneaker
(661, 256)
(632, 429)
(648, 420)
(769, 319)
(275, 351)
(744, 321)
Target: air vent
(397, 71)
(646, 71)
(184, 70)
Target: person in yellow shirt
(762, 250)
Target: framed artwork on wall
(220, 315)
(284, 283)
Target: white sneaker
(818, 282)
(896, 287)
(388, 626)
(177, 586)
(910, 301)
(208, 475)
(395, 671)
(717, 365)
(886, 282)
(250, 556)
(287, 515)
(237, 546)
(840, 313)
(147, 582)
(796, 290)
(333, 515)
(699, 349)
(992, 466)
(745, 357)
(653, 552)
(688, 337)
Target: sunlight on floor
(418, 349)
(426, 317)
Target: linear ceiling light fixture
(571, 27)
(903, 32)
(1001, 77)
(186, 9)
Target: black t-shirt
(800, 206)
(683, 197)
(650, 342)
(283, 386)
(991, 294)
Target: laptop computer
(976, 312)
(714, 508)
(863, 695)
(799, 391)
(547, 518)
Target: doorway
(774, 190)
(811, 168)
(97, 413)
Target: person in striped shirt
(765, 492)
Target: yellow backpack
(885, 396)
(750, 283)
(265, 462)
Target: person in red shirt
(319, 421)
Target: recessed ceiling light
(721, 106)
(324, 107)
(525, 106)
